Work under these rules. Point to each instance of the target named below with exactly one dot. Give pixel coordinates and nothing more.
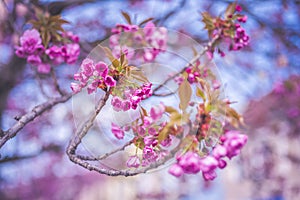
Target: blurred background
(264, 79)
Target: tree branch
(49, 148)
(92, 158)
(30, 116)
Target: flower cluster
(93, 75)
(32, 48)
(146, 137)
(192, 75)
(152, 39)
(241, 39)
(226, 30)
(192, 163)
(131, 97)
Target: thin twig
(38, 78)
(56, 85)
(180, 72)
(93, 158)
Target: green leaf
(126, 16)
(200, 93)
(170, 109)
(115, 62)
(144, 111)
(230, 9)
(139, 143)
(163, 134)
(195, 52)
(46, 37)
(138, 74)
(185, 93)
(208, 21)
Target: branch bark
(30, 116)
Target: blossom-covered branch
(163, 131)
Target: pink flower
(190, 162)
(156, 112)
(71, 36)
(20, 52)
(150, 141)
(75, 87)
(147, 121)
(44, 68)
(93, 86)
(233, 141)
(34, 60)
(238, 8)
(166, 142)
(116, 102)
(31, 41)
(87, 67)
(209, 176)
(101, 68)
(147, 89)
(114, 40)
(222, 164)
(149, 154)
(141, 131)
(110, 81)
(176, 170)
(126, 105)
(216, 84)
(117, 131)
(209, 163)
(242, 19)
(135, 100)
(219, 151)
(148, 56)
(178, 79)
(152, 131)
(149, 28)
(71, 52)
(53, 52)
(133, 161)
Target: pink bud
(117, 131)
(176, 170)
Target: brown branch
(49, 148)
(56, 85)
(30, 116)
(93, 158)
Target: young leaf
(170, 109)
(46, 37)
(144, 111)
(207, 20)
(185, 93)
(230, 9)
(126, 16)
(145, 21)
(115, 62)
(201, 94)
(138, 74)
(163, 134)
